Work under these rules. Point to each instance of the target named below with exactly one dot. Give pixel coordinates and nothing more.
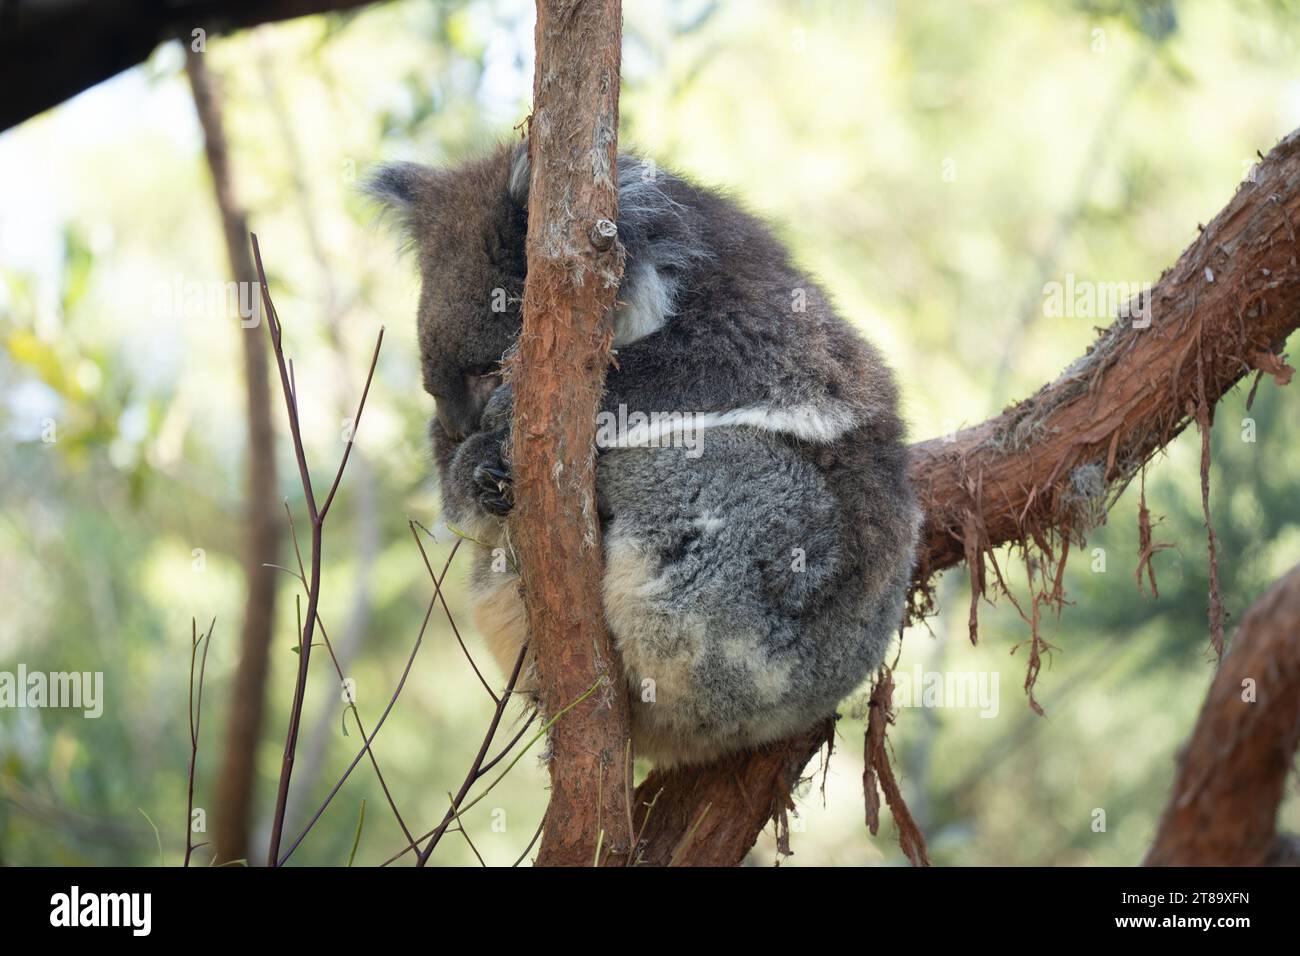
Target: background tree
(263, 526)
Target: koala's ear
(402, 188)
(521, 170)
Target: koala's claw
(497, 506)
(494, 489)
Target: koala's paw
(493, 487)
(477, 482)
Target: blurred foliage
(934, 163)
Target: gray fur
(751, 585)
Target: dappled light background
(934, 163)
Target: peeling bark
(722, 806)
(1136, 388)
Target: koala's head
(467, 225)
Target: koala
(758, 523)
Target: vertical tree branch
(262, 518)
(558, 375)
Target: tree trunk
(574, 267)
(262, 517)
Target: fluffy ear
(397, 185)
(521, 171)
(401, 188)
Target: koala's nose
(450, 422)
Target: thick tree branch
(700, 817)
(1046, 468)
(51, 50)
(558, 376)
(1233, 771)
(1232, 298)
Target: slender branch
(338, 670)
(334, 308)
(531, 843)
(356, 423)
(474, 771)
(450, 619)
(356, 837)
(317, 527)
(460, 828)
(196, 721)
(509, 746)
(461, 811)
(365, 747)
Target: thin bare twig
(287, 385)
(365, 748)
(338, 669)
(441, 828)
(465, 833)
(450, 620)
(196, 720)
(531, 843)
(475, 770)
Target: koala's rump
(727, 590)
